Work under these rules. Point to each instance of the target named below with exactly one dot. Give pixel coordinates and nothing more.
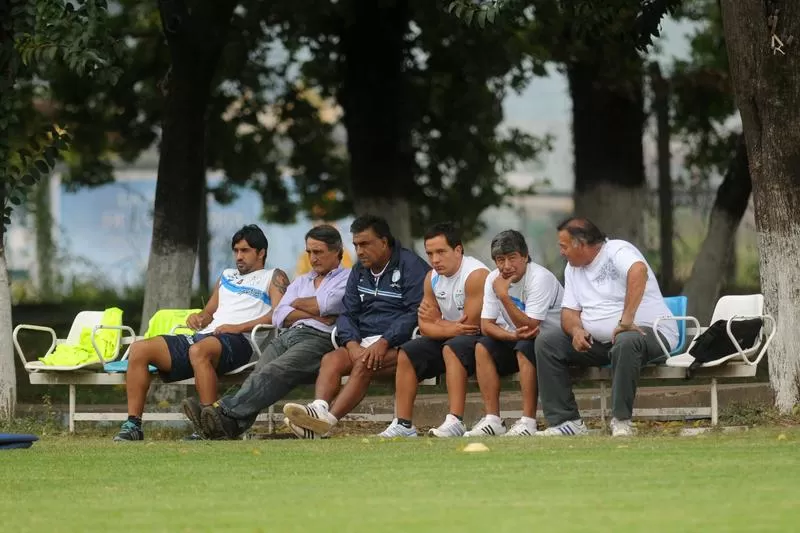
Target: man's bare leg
(488, 380)
(527, 385)
(204, 356)
(143, 353)
(405, 382)
(334, 365)
(360, 377)
(456, 379)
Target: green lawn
(737, 482)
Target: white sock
(322, 404)
(494, 419)
(528, 421)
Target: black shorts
(504, 354)
(426, 357)
(236, 352)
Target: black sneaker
(217, 425)
(129, 432)
(191, 408)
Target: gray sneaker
(129, 432)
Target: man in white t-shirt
(244, 297)
(520, 300)
(611, 301)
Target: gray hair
(507, 242)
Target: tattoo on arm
(280, 280)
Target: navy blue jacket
(388, 308)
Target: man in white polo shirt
(611, 300)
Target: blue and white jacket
(387, 308)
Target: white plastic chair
(730, 309)
(84, 319)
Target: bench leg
(603, 402)
(270, 424)
(714, 403)
(72, 408)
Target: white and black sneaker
(570, 428)
(621, 428)
(314, 416)
(397, 429)
(451, 427)
(524, 427)
(300, 433)
(487, 427)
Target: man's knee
(628, 345)
(337, 361)
(199, 354)
(551, 343)
(482, 353)
(360, 369)
(142, 352)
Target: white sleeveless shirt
(450, 291)
(242, 297)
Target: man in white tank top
(520, 299)
(611, 301)
(448, 318)
(243, 298)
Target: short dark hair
(254, 237)
(376, 224)
(582, 230)
(329, 235)
(447, 230)
(507, 242)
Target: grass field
(737, 482)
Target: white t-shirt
(242, 298)
(598, 290)
(538, 294)
(450, 291)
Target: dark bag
(714, 342)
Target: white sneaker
(300, 433)
(565, 429)
(485, 427)
(522, 428)
(451, 427)
(621, 428)
(312, 416)
(396, 429)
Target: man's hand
(527, 333)
(581, 340)
(625, 327)
(328, 320)
(230, 329)
(428, 313)
(462, 328)
(501, 285)
(198, 321)
(355, 350)
(373, 355)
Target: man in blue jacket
(383, 293)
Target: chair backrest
(84, 319)
(744, 304)
(677, 306)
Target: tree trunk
(607, 128)
(712, 264)
(665, 209)
(195, 43)
(766, 83)
(203, 253)
(374, 98)
(45, 248)
(8, 376)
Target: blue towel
(121, 367)
(9, 441)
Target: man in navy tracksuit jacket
(383, 293)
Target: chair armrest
(763, 350)
(415, 333)
(675, 319)
(268, 328)
(31, 327)
(128, 339)
(333, 339)
(176, 327)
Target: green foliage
(32, 36)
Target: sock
(405, 423)
(136, 420)
(494, 419)
(527, 420)
(320, 403)
(460, 418)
